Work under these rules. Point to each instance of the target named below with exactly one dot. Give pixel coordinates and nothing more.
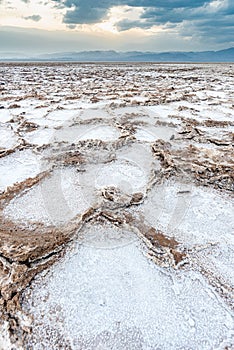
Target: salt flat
(116, 206)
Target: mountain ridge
(225, 55)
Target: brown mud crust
(28, 249)
(207, 167)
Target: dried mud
(124, 94)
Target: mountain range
(226, 55)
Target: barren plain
(116, 206)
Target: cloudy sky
(40, 26)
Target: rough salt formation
(116, 206)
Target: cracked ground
(116, 206)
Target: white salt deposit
(117, 299)
(40, 136)
(153, 133)
(5, 115)
(85, 132)
(102, 132)
(105, 293)
(160, 111)
(17, 167)
(92, 113)
(36, 114)
(128, 176)
(55, 200)
(201, 219)
(192, 214)
(59, 116)
(8, 139)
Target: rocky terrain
(116, 206)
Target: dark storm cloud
(210, 22)
(85, 14)
(35, 18)
(177, 15)
(219, 32)
(89, 11)
(126, 24)
(205, 20)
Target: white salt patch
(79, 104)
(93, 113)
(58, 117)
(204, 111)
(209, 217)
(140, 155)
(56, 200)
(143, 119)
(85, 132)
(130, 172)
(104, 237)
(144, 135)
(30, 103)
(102, 132)
(201, 95)
(117, 299)
(219, 133)
(17, 167)
(194, 215)
(40, 136)
(44, 117)
(44, 122)
(8, 139)
(5, 115)
(216, 94)
(127, 175)
(72, 105)
(152, 133)
(161, 112)
(62, 114)
(215, 113)
(138, 99)
(121, 111)
(219, 260)
(36, 114)
(203, 146)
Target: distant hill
(226, 55)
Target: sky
(32, 27)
